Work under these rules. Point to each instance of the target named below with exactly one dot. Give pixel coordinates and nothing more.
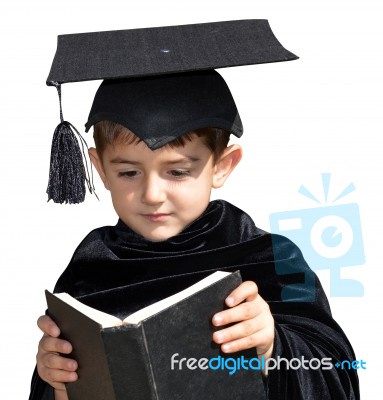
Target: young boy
(161, 147)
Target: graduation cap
(160, 83)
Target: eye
(179, 173)
(129, 174)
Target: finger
(264, 322)
(52, 344)
(245, 291)
(250, 342)
(56, 377)
(245, 343)
(241, 312)
(55, 361)
(59, 387)
(237, 331)
(48, 326)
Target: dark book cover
(164, 357)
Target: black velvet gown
(119, 272)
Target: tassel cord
(58, 87)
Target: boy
(160, 160)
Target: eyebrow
(119, 160)
(182, 160)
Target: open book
(132, 359)
(107, 320)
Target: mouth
(156, 217)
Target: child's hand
(51, 366)
(254, 323)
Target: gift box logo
(330, 237)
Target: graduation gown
(117, 271)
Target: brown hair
(112, 133)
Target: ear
(97, 162)
(225, 165)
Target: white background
(319, 114)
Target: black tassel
(67, 174)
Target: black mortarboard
(158, 82)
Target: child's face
(158, 193)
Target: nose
(153, 192)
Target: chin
(159, 235)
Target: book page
(155, 308)
(104, 319)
